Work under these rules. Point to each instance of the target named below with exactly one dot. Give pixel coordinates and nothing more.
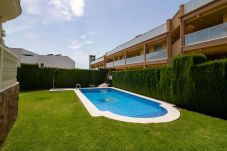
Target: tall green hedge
(190, 82)
(69, 78)
(32, 77)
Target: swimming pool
(126, 106)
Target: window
(28, 55)
(42, 65)
(158, 48)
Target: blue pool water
(121, 103)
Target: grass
(59, 122)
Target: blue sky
(78, 28)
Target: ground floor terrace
(59, 122)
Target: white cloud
(92, 32)
(77, 7)
(76, 45)
(83, 37)
(69, 8)
(33, 7)
(79, 44)
(54, 10)
(89, 42)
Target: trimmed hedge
(31, 77)
(69, 78)
(190, 82)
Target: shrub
(210, 88)
(69, 78)
(190, 82)
(32, 77)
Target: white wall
(57, 62)
(52, 61)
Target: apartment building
(50, 60)
(198, 26)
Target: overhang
(9, 9)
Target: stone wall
(8, 110)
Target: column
(1, 64)
(144, 52)
(125, 54)
(182, 31)
(113, 60)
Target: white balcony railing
(159, 55)
(109, 65)
(8, 68)
(194, 4)
(136, 59)
(119, 62)
(98, 60)
(212, 33)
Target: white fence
(8, 68)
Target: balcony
(119, 62)
(8, 68)
(195, 4)
(9, 9)
(159, 55)
(101, 59)
(144, 37)
(109, 65)
(136, 59)
(209, 34)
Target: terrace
(206, 35)
(8, 70)
(205, 29)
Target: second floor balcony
(109, 65)
(205, 35)
(136, 59)
(119, 62)
(159, 55)
(101, 59)
(153, 56)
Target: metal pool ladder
(78, 86)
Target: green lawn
(59, 122)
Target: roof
(141, 38)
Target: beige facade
(9, 87)
(198, 26)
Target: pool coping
(172, 112)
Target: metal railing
(208, 34)
(195, 4)
(119, 62)
(136, 59)
(8, 68)
(98, 60)
(159, 55)
(110, 64)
